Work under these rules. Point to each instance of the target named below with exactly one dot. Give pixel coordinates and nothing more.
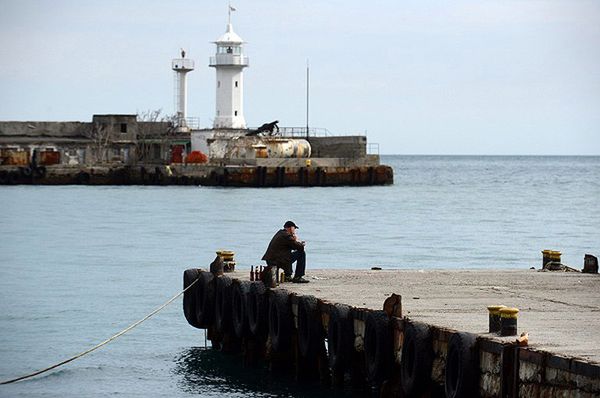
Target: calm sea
(78, 264)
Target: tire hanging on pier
(310, 329)
(372, 176)
(223, 317)
(143, 174)
(462, 366)
(417, 358)
(378, 347)
(189, 297)
(239, 313)
(39, 172)
(280, 320)
(12, 177)
(205, 299)
(82, 178)
(258, 310)
(25, 171)
(340, 338)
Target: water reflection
(210, 373)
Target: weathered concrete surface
(490, 366)
(561, 311)
(204, 174)
(339, 146)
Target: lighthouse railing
(182, 64)
(300, 132)
(229, 59)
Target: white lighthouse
(229, 62)
(181, 66)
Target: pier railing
(182, 64)
(192, 122)
(373, 148)
(299, 132)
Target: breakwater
(215, 175)
(336, 329)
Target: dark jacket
(280, 249)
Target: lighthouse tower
(181, 66)
(229, 62)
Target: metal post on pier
(307, 93)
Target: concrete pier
(561, 311)
(446, 312)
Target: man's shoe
(299, 279)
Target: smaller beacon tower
(181, 66)
(229, 62)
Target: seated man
(284, 249)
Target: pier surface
(560, 310)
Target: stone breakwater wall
(209, 175)
(379, 352)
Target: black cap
(290, 224)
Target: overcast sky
(420, 77)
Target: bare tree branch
(99, 133)
(154, 128)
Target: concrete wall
(199, 140)
(543, 374)
(121, 128)
(42, 129)
(368, 161)
(321, 147)
(339, 147)
(505, 369)
(371, 160)
(108, 138)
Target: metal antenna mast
(229, 9)
(307, 93)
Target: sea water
(80, 263)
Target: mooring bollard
(590, 264)
(494, 318)
(508, 318)
(228, 260)
(549, 256)
(545, 258)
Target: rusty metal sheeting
(14, 158)
(49, 157)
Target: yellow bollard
(550, 256)
(508, 318)
(545, 258)
(494, 318)
(228, 261)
